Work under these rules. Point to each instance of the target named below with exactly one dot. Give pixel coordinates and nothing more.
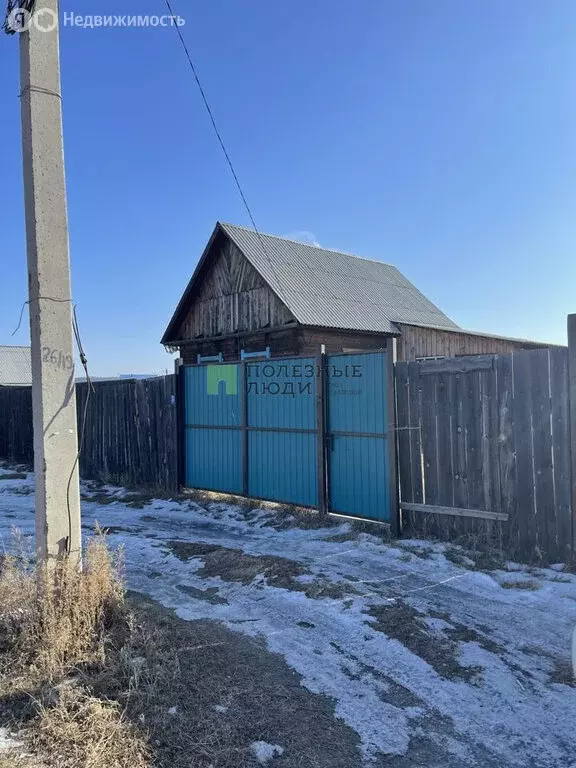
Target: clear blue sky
(438, 135)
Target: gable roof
(15, 365)
(326, 288)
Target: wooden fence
(484, 449)
(130, 435)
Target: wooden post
(180, 423)
(321, 432)
(245, 445)
(572, 417)
(391, 437)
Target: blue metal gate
(357, 435)
(251, 429)
(308, 431)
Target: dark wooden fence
(484, 449)
(130, 435)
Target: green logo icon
(226, 373)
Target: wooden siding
(341, 341)
(232, 298)
(282, 342)
(418, 342)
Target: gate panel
(213, 427)
(282, 467)
(213, 397)
(214, 459)
(357, 425)
(282, 436)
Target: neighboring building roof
(327, 288)
(15, 366)
(488, 335)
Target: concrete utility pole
(53, 387)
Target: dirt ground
(229, 692)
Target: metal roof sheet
(329, 288)
(15, 365)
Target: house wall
(232, 298)
(295, 341)
(417, 342)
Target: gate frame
(321, 430)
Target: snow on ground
(7, 741)
(429, 662)
(264, 752)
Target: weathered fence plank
(130, 434)
(415, 432)
(403, 430)
(544, 505)
(525, 481)
(494, 438)
(561, 449)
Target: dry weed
(54, 624)
(55, 619)
(82, 730)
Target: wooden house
(251, 292)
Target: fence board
(130, 433)
(561, 450)
(415, 405)
(523, 426)
(445, 493)
(429, 416)
(403, 428)
(542, 448)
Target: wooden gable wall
(231, 298)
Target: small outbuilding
(252, 292)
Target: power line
(224, 150)
(89, 389)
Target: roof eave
(360, 331)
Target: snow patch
(7, 742)
(264, 752)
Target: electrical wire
(90, 388)
(36, 298)
(225, 152)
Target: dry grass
(54, 623)
(54, 620)
(82, 730)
